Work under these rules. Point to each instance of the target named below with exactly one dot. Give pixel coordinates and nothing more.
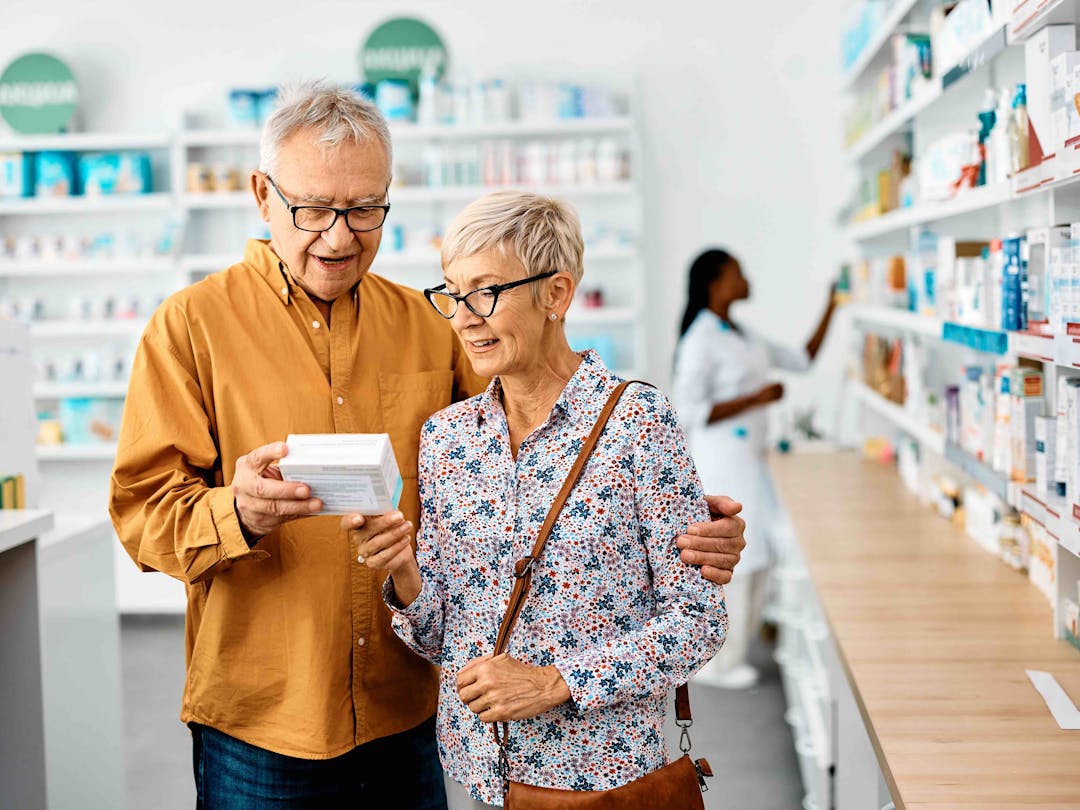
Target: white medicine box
(348, 472)
(1039, 53)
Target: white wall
(740, 112)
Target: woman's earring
(553, 316)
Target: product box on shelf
(16, 174)
(107, 173)
(1042, 564)
(1028, 400)
(55, 175)
(1043, 247)
(1066, 120)
(1039, 51)
(1045, 450)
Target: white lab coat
(714, 363)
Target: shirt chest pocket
(407, 401)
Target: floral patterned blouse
(612, 606)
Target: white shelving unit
(89, 268)
(76, 452)
(1008, 207)
(120, 203)
(899, 11)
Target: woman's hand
(384, 543)
(500, 688)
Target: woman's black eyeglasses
(319, 218)
(481, 302)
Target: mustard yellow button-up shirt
(289, 645)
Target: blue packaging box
(16, 174)
(54, 174)
(107, 173)
(242, 109)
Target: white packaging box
(1039, 244)
(1045, 448)
(1039, 51)
(1027, 403)
(1072, 426)
(348, 472)
(1062, 107)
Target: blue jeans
(401, 772)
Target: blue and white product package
(242, 109)
(105, 173)
(54, 174)
(348, 472)
(1014, 284)
(16, 174)
(265, 102)
(394, 99)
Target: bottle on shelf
(1018, 130)
(987, 125)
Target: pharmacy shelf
(1033, 347)
(86, 142)
(994, 481)
(1059, 517)
(418, 194)
(1030, 16)
(898, 319)
(967, 201)
(401, 132)
(203, 263)
(900, 417)
(83, 329)
(76, 452)
(88, 268)
(80, 390)
(532, 129)
(990, 341)
(900, 10)
(895, 122)
(983, 53)
(117, 203)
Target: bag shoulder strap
(523, 568)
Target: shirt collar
(583, 397)
(259, 254)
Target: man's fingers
(351, 523)
(711, 544)
(262, 457)
(716, 575)
(283, 508)
(722, 527)
(269, 489)
(722, 505)
(713, 560)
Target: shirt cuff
(230, 536)
(420, 607)
(591, 681)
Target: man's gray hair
(340, 114)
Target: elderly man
(298, 693)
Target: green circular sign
(38, 94)
(402, 48)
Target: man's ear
(261, 189)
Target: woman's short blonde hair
(540, 232)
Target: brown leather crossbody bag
(677, 786)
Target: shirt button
(360, 641)
(315, 324)
(284, 290)
(341, 400)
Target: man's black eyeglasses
(481, 302)
(319, 218)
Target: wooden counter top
(935, 635)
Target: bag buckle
(523, 566)
(684, 738)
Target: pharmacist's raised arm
(171, 507)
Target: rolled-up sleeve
(167, 512)
(421, 625)
(690, 620)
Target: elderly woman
(615, 619)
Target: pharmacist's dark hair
(704, 271)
